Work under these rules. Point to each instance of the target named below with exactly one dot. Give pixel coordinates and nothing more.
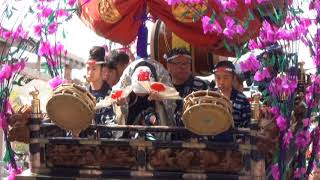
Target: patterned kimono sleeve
(170, 105)
(246, 114)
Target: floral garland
(50, 15)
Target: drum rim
(64, 88)
(88, 122)
(229, 125)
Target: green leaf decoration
(51, 18)
(226, 45)
(8, 13)
(64, 34)
(213, 17)
(31, 10)
(4, 91)
(246, 24)
(6, 157)
(23, 80)
(251, 16)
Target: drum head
(207, 119)
(69, 112)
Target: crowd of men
(115, 70)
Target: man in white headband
(179, 62)
(99, 88)
(224, 73)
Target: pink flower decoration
(281, 123)
(287, 139)
(38, 29)
(228, 5)
(6, 35)
(262, 75)
(59, 48)
(46, 12)
(229, 33)
(14, 172)
(44, 48)
(210, 27)
(72, 2)
(3, 121)
(240, 29)
(306, 122)
(247, 2)
(299, 172)
(61, 13)
(282, 86)
(7, 71)
(275, 172)
(52, 28)
(251, 64)
(262, 1)
(253, 44)
(275, 111)
(55, 82)
(303, 139)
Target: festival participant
(141, 107)
(179, 67)
(224, 73)
(97, 86)
(117, 61)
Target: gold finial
(255, 106)
(35, 104)
(34, 93)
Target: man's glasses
(180, 63)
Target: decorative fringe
(142, 42)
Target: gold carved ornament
(108, 12)
(185, 12)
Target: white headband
(175, 56)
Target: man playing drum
(179, 66)
(98, 87)
(224, 73)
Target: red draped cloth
(126, 18)
(126, 27)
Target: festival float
(282, 141)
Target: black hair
(97, 53)
(177, 51)
(117, 57)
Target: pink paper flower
(275, 172)
(7, 71)
(3, 121)
(287, 139)
(299, 172)
(250, 65)
(61, 13)
(306, 122)
(72, 2)
(38, 29)
(303, 139)
(55, 82)
(262, 75)
(52, 28)
(46, 12)
(207, 26)
(282, 123)
(44, 49)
